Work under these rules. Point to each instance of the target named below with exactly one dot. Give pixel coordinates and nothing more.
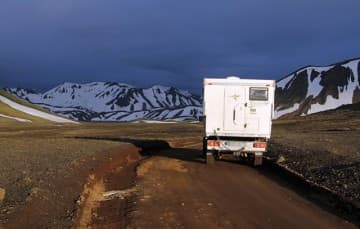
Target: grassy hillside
(22, 101)
(9, 111)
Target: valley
(143, 167)
(179, 114)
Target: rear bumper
(238, 134)
(235, 146)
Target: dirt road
(177, 190)
(96, 176)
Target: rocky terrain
(84, 175)
(323, 148)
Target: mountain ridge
(307, 90)
(112, 101)
(318, 66)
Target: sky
(44, 43)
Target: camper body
(238, 116)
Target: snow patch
(282, 83)
(155, 121)
(15, 118)
(34, 112)
(321, 69)
(280, 113)
(345, 94)
(331, 103)
(314, 87)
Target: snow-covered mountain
(100, 101)
(314, 89)
(308, 90)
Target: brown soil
(107, 197)
(43, 181)
(186, 193)
(87, 176)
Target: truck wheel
(217, 156)
(210, 158)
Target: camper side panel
(213, 108)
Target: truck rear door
(234, 108)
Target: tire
(217, 156)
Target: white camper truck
(238, 115)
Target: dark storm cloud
(145, 42)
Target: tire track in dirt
(89, 200)
(179, 192)
(108, 193)
(172, 190)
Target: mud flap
(210, 158)
(258, 158)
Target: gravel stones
(336, 172)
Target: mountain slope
(12, 108)
(306, 91)
(100, 101)
(315, 89)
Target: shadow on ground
(150, 147)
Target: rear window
(259, 93)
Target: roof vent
(233, 78)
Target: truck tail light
(259, 145)
(213, 143)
